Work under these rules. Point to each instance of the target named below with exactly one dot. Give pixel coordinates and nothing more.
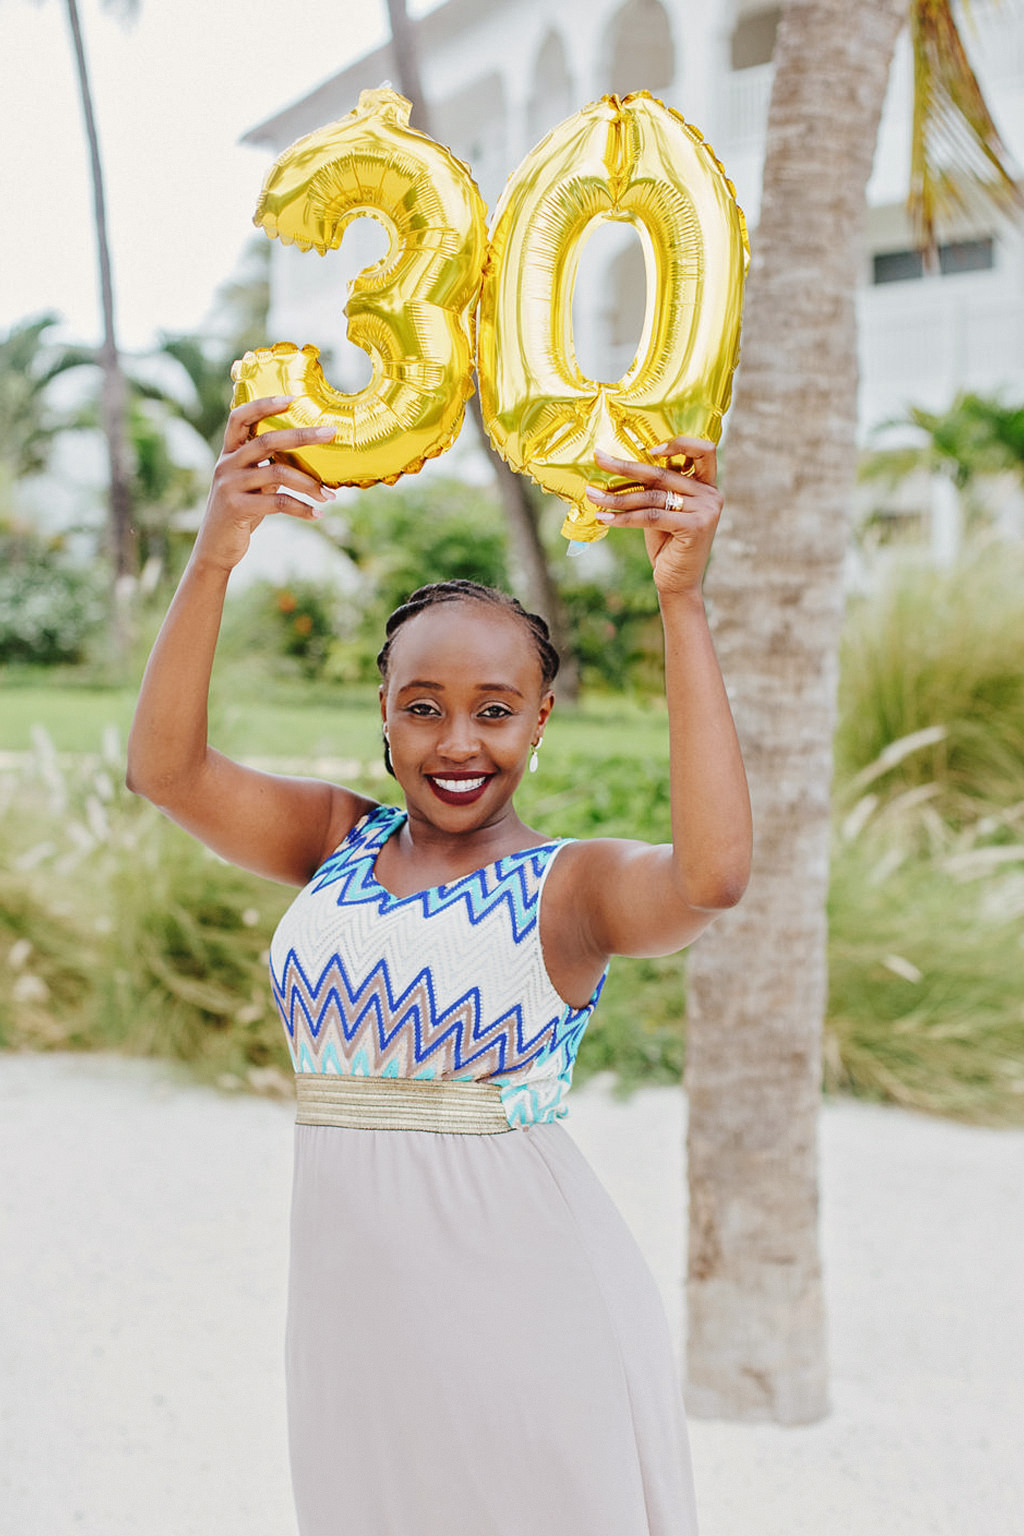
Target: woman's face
(463, 703)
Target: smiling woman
(464, 1297)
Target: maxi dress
(475, 1345)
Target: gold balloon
(412, 312)
(635, 161)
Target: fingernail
(660, 448)
(604, 517)
(327, 495)
(315, 511)
(283, 399)
(596, 493)
(323, 433)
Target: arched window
(551, 95)
(472, 122)
(753, 38)
(639, 54)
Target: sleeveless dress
(475, 1345)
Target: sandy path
(142, 1273)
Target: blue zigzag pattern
(511, 881)
(436, 1024)
(372, 1003)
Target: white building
(498, 74)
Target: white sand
(143, 1229)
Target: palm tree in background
(757, 980)
(121, 533)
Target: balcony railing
(746, 106)
(993, 31)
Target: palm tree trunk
(539, 587)
(757, 986)
(121, 533)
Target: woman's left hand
(677, 510)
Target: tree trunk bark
(757, 980)
(538, 584)
(539, 588)
(121, 533)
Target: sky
(174, 91)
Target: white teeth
(460, 786)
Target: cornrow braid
(460, 591)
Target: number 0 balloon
(412, 312)
(635, 161)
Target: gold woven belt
(399, 1104)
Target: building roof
(339, 94)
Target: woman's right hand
(248, 484)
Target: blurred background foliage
(119, 932)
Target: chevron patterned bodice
(447, 983)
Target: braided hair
(460, 591)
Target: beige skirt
(475, 1345)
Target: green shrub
(49, 608)
(431, 530)
(614, 619)
(638, 1029)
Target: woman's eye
(495, 712)
(423, 709)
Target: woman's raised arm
(279, 827)
(644, 900)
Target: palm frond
(959, 162)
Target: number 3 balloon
(634, 161)
(412, 312)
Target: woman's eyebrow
(422, 682)
(499, 688)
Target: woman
(475, 1346)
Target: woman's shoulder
(359, 821)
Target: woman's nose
(461, 740)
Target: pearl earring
(534, 760)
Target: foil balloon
(637, 161)
(412, 312)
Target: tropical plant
(931, 687)
(757, 980)
(958, 159)
(29, 363)
(240, 308)
(976, 435)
